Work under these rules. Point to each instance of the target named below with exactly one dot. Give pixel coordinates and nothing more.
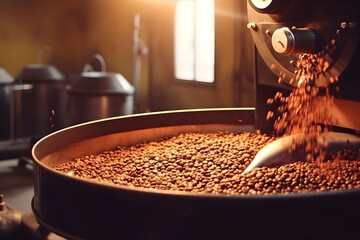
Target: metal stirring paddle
(277, 152)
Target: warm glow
(194, 40)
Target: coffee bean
(162, 165)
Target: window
(195, 40)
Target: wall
(76, 29)
(233, 86)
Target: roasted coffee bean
(212, 163)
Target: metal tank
(96, 94)
(6, 105)
(40, 108)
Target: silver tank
(40, 108)
(96, 95)
(6, 104)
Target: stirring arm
(277, 152)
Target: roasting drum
(82, 209)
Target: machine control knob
(287, 41)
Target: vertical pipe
(136, 64)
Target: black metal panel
(77, 210)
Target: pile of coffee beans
(212, 163)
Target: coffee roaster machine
(80, 209)
(282, 30)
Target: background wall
(77, 29)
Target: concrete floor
(16, 185)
